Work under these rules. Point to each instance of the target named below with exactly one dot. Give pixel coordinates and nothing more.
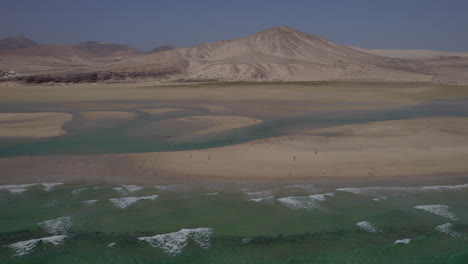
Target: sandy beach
(408, 148)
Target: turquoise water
(141, 135)
(303, 223)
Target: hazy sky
(391, 24)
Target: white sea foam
(172, 187)
(16, 188)
(380, 199)
(246, 240)
(378, 190)
(17, 191)
(25, 247)
(211, 194)
(368, 227)
(260, 194)
(90, 202)
(173, 243)
(19, 188)
(48, 186)
(111, 245)
(57, 226)
(268, 199)
(78, 191)
(447, 229)
(402, 241)
(125, 202)
(126, 189)
(438, 209)
(305, 202)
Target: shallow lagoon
(134, 136)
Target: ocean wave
(438, 209)
(20, 188)
(305, 202)
(25, 247)
(78, 191)
(246, 240)
(49, 186)
(402, 241)
(173, 243)
(211, 194)
(57, 226)
(447, 229)
(368, 227)
(380, 199)
(126, 189)
(268, 199)
(91, 202)
(171, 187)
(111, 245)
(16, 188)
(125, 202)
(378, 190)
(260, 194)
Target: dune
(32, 125)
(160, 111)
(98, 115)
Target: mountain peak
(103, 49)
(17, 42)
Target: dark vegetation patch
(90, 77)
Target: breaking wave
(20, 188)
(126, 189)
(90, 202)
(379, 190)
(438, 209)
(305, 202)
(402, 241)
(368, 227)
(173, 243)
(125, 202)
(57, 226)
(447, 229)
(268, 199)
(25, 247)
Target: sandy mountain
(162, 48)
(280, 53)
(102, 49)
(412, 53)
(17, 42)
(44, 58)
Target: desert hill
(162, 48)
(281, 53)
(276, 54)
(48, 58)
(102, 49)
(412, 53)
(17, 42)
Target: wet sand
(411, 149)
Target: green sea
(238, 223)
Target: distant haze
(146, 24)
